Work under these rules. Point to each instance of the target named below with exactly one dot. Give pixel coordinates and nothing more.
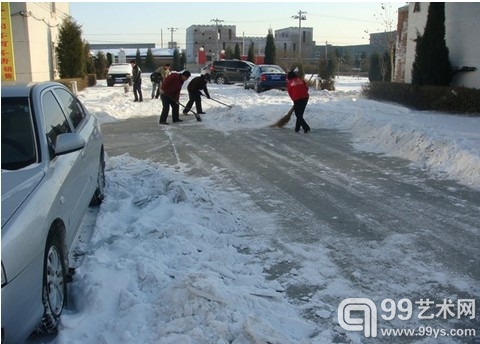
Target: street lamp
(217, 22)
(300, 16)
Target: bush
(91, 80)
(81, 83)
(459, 100)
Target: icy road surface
(382, 228)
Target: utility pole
(300, 16)
(217, 24)
(172, 30)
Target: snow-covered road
(345, 223)
(228, 231)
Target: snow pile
(164, 263)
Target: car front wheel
(54, 286)
(98, 196)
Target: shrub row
(82, 83)
(458, 100)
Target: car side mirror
(68, 143)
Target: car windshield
(124, 68)
(272, 69)
(18, 139)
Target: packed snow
(176, 259)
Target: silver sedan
(52, 170)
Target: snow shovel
(218, 101)
(197, 116)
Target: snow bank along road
(383, 228)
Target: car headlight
(109, 76)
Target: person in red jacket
(298, 91)
(170, 95)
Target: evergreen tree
(183, 60)
(100, 65)
(270, 50)
(138, 59)
(387, 67)
(375, 72)
(177, 64)
(251, 53)
(432, 64)
(70, 50)
(90, 64)
(237, 51)
(109, 59)
(229, 53)
(149, 61)
(327, 68)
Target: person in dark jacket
(170, 95)
(197, 84)
(137, 81)
(156, 79)
(298, 91)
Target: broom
(285, 119)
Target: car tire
(99, 193)
(54, 291)
(110, 84)
(257, 88)
(221, 80)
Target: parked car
(229, 71)
(52, 170)
(119, 73)
(266, 77)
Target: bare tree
(386, 18)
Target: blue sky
(339, 23)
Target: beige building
(34, 27)
(290, 41)
(462, 32)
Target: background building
(34, 27)
(211, 40)
(462, 32)
(288, 44)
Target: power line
(217, 24)
(300, 17)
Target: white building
(35, 27)
(462, 36)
